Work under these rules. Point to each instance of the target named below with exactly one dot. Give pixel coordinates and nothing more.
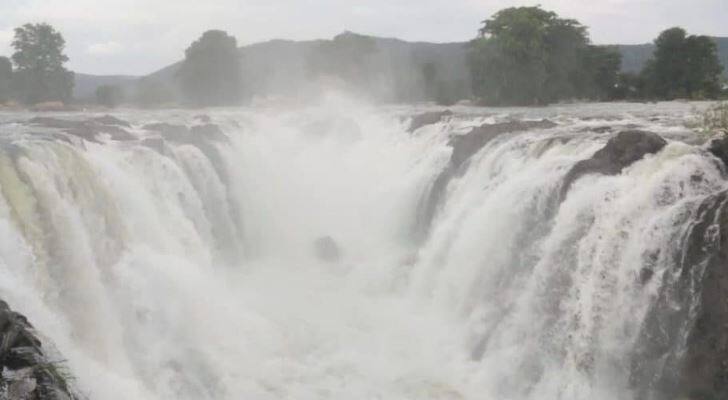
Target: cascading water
(187, 269)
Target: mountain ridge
(280, 65)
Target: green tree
(629, 86)
(109, 95)
(703, 72)
(683, 66)
(346, 57)
(211, 74)
(429, 79)
(151, 92)
(39, 58)
(599, 72)
(526, 56)
(665, 71)
(6, 78)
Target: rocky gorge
(354, 251)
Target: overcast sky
(141, 36)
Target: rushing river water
(192, 269)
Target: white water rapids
(185, 272)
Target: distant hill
(86, 84)
(281, 67)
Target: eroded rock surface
(464, 147)
(26, 372)
(88, 129)
(428, 118)
(682, 351)
(619, 152)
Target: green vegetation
(6, 79)
(530, 56)
(429, 79)
(210, 73)
(39, 73)
(682, 67)
(521, 56)
(153, 93)
(109, 96)
(598, 77)
(58, 374)
(346, 57)
(714, 120)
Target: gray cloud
(140, 36)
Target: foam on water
(191, 273)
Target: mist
(520, 212)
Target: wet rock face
(111, 120)
(88, 129)
(209, 131)
(182, 134)
(464, 147)
(620, 152)
(682, 350)
(719, 148)
(171, 132)
(705, 364)
(326, 249)
(428, 118)
(25, 370)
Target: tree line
(35, 72)
(520, 56)
(531, 56)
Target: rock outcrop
(172, 132)
(682, 351)
(209, 131)
(327, 249)
(719, 148)
(111, 120)
(26, 372)
(183, 134)
(619, 152)
(464, 147)
(428, 118)
(88, 129)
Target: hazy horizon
(135, 37)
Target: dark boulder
(704, 367)
(115, 132)
(619, 152)
(182, 134)
(88, 130)
(110, 120)
(719, 148)
(326, 249)
(465, 146)
(428, 118)
(597, 129)
(154, 143)
(209, 131)
(682, 350)
(173, 132)
(26, 372)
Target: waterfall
(174, 265)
